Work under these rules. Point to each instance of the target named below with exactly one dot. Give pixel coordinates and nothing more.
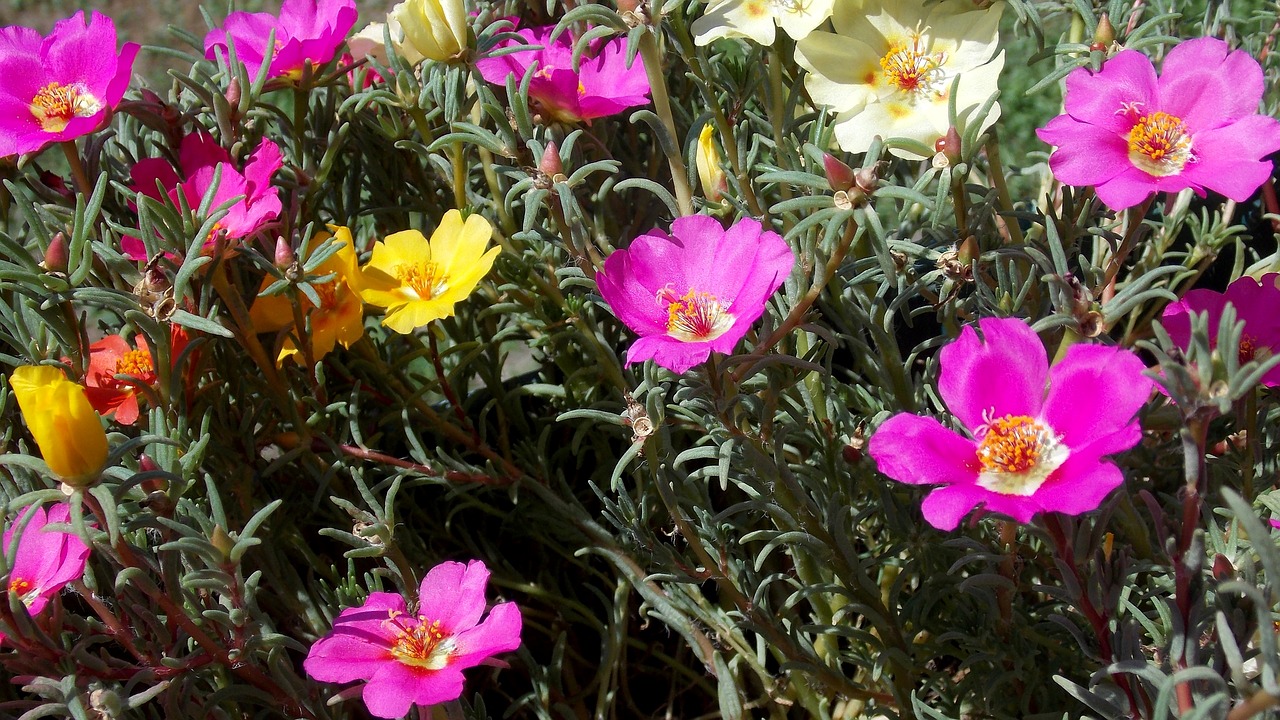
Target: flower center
(1250, 349)
(22, 588)
(1017, 454)
(137, 363)
(419, 641)
(1159, 144)
(424, 281)
(328, 293)
(56, 104)
(695, 316)
(910, 68)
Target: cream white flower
(429, 29)
(369, 42)
(889, 68)
(758, 19)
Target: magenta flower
(694, 291)
(45, 561)
(199, 158)
(604, 86)
(1256, 303)
(1026, 450)
(57, 88)
(416, 658)
(306, 32)
(1197, 126)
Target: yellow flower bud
(431, 29)
(708, 161)
(63, 423)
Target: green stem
(996, 168)
(77, 167)
(652, 57)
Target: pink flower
(199, 157)
(306, 32)
(1026, 449)
(416, 658)
(695, 291)
(1256, 303)
(45, 561)
(604, 86)
(1197, 126)
(57, 88)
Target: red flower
(112, 356)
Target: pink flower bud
(284, 253)
(550, 163)
(55, 258)
(839, 175)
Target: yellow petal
(63, 423)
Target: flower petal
(396, 687)
(1094, 392)
(453, 595)
(920, 451)
(1003, 374)
(1127, 79)
(945, 507)
(1079, 486)
(499, 633)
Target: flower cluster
(45, 560)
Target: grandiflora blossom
(417, 280)
(57, 88)
(696, 290)
(1026, 449)
(202, 160)
(65, 426)
(889, 67)
(112, 356)
(430, 30)
(1131, 134)
(45, 560)
(1257, 304)
(759, 19)
(338, 319)
(603, 86)
(307, 32)
(416, 657)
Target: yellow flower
(419, 281)
(432, 29)
(889, 68)
(338, 319)
(707, 159)
(62, 421)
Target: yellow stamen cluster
(417, 640)
(20, 586)
(910, 68)
(1012, 444)
(137, 363)
(1159, 144)
(56, 104)
(1248, 348)
(424, 279)
(696, 316)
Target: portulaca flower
(759, 19)
(889, 68)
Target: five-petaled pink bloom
(57, 88)
(307, 32)
(1026, 449)
(604, 86)
(408, 658)
(200, 158)
(1257, 304)
(46, 560)
(1197, 126)
(696, 290)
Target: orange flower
(111, 357)
(339, 318)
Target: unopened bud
(56, 183)
(1105, 34)
(284, 257)
(55, 258)
(707, 160)
(1222, 568)
(550, 164)
(222, 541)
(233, 93)
(839, 176)
(967, 252)
(867, 178)
(949, 146)
(146, 464)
